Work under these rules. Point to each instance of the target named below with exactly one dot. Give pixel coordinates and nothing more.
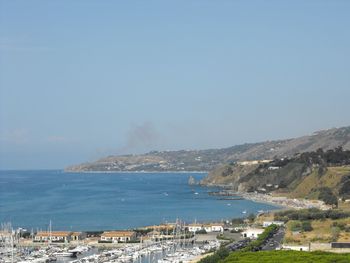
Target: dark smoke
(140, 137)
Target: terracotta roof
(118, 234)
(5, 233)
(54, 234)
(76, 233)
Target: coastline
(285, 202)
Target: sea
(111, 201)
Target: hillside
(323, 175)
(207, 160)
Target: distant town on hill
(207, 160)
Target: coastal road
(275, 241)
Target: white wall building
(207, 227)
(118, 236)
(217, 228)
(54, 236)
(252, 232)
(194, 227)
(269, 223)
(296, 247)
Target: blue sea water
(102, 201)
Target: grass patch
(286, 257)
(331, 179)
(322, 231)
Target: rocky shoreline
(282, 201)
(285, 201)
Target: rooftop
(118, 234)
(54, 233)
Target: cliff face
(229, 175)
(207, 160)
(315, 175)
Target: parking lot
(238, 245)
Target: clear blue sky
(83, 79)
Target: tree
(237, 221)
(327, 196)
(251, 217)
(306, 226)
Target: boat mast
(50, 232)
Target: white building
(195, 227)
(217, 228)
(295, 247)
(252, 232)
(118, 236)
(269, 223)
(207, 227)
(54, 236)
(244, 163)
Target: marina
(178, 248)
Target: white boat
(244, 211)
(64, 254)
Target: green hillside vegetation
(323, 175)
(229, 174)
(310, 214)
(286, 257)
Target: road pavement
(275, 241)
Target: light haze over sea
(80, 80)
(102, 201)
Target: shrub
(220, 254)
(251, 217)
(306, 226)
(335, 233)
(295, 226)
(237, 221)
(310, 214)
(341, 225)
(202, 231)
(327, 196)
